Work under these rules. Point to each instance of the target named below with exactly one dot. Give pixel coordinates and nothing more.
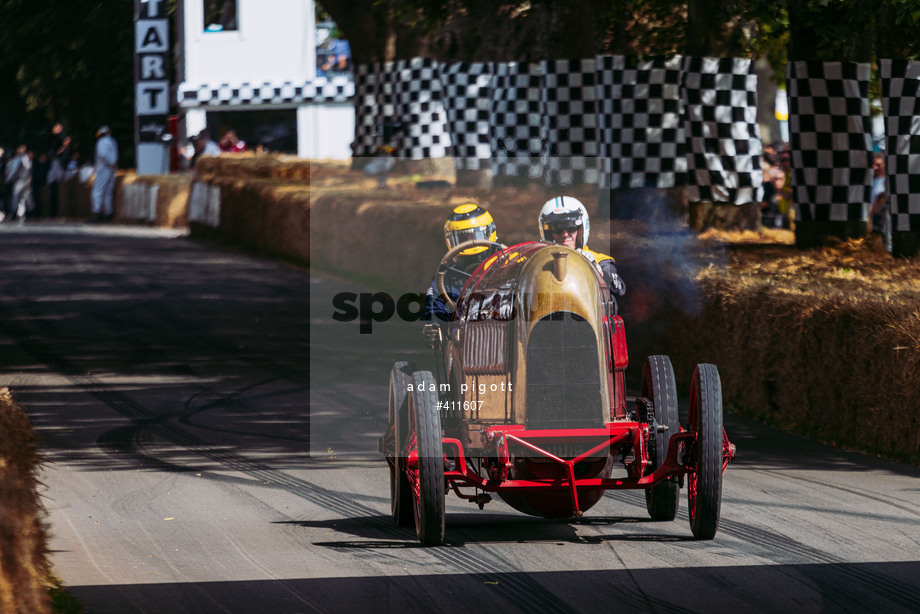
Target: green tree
(72, 62)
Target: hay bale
(261, 166)
(172, 197)
(23, 539)
(270, 216)
(824, 343)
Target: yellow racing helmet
(466, 223)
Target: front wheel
(426, 426)
(704, 484)
(659, 385)
(401, 507)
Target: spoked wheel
(425, 425)
(704, 486)
(659, 386)
(401, 505)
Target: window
(220, 15)
(273, 131)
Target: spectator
(771, 215)
(106, 161)
(40, 169)
(19, 175)
(231, 143)
(786, 202)
(881, 218)
(60, 158)
(204, 146)
(73, 166)
(770, 163)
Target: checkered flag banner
(901, 105)
(723, 137)
(368, 78)
(518, 129)
(245, 94)
(570, 118)
(417, 104)
(466, 95)
(406, 92)
(640, 124)
(830, 134)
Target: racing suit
(608, 269)
(436, 309)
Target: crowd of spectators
(778, 207)
(31, 176)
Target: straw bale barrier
(269, 216)
(823, 342)
(249, 165)
(161, 200)
(23, 541)
(134, 199)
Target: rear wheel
(401, 504)
(426, 424)
(704, 485)
(659, 386)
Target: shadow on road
(777, 588)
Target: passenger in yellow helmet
(465, 223)
(564, 220)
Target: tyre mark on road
(524, 591)
(874, 497)
(772, 543)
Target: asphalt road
(210, 435)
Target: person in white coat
(106, 162)
(19, 176)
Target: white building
(250, 66)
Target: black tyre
(704, 486)
(401, 504)
(659, 386)
(426, 421)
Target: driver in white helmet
(564, 220)
(466, 222)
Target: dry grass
(23, 540)
(824, 342)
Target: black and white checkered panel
(367, 86)
(516, 113)
(466, 96)
(570, 104)
(418, 105)
(723, 136)
(377, 89)
(640, 123)
(337, 89)
(831, 137)
(901, 104)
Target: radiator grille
(563, 378)
(485, 347)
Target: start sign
(151, 75)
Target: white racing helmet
(564, 212)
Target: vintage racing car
(529, 402)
